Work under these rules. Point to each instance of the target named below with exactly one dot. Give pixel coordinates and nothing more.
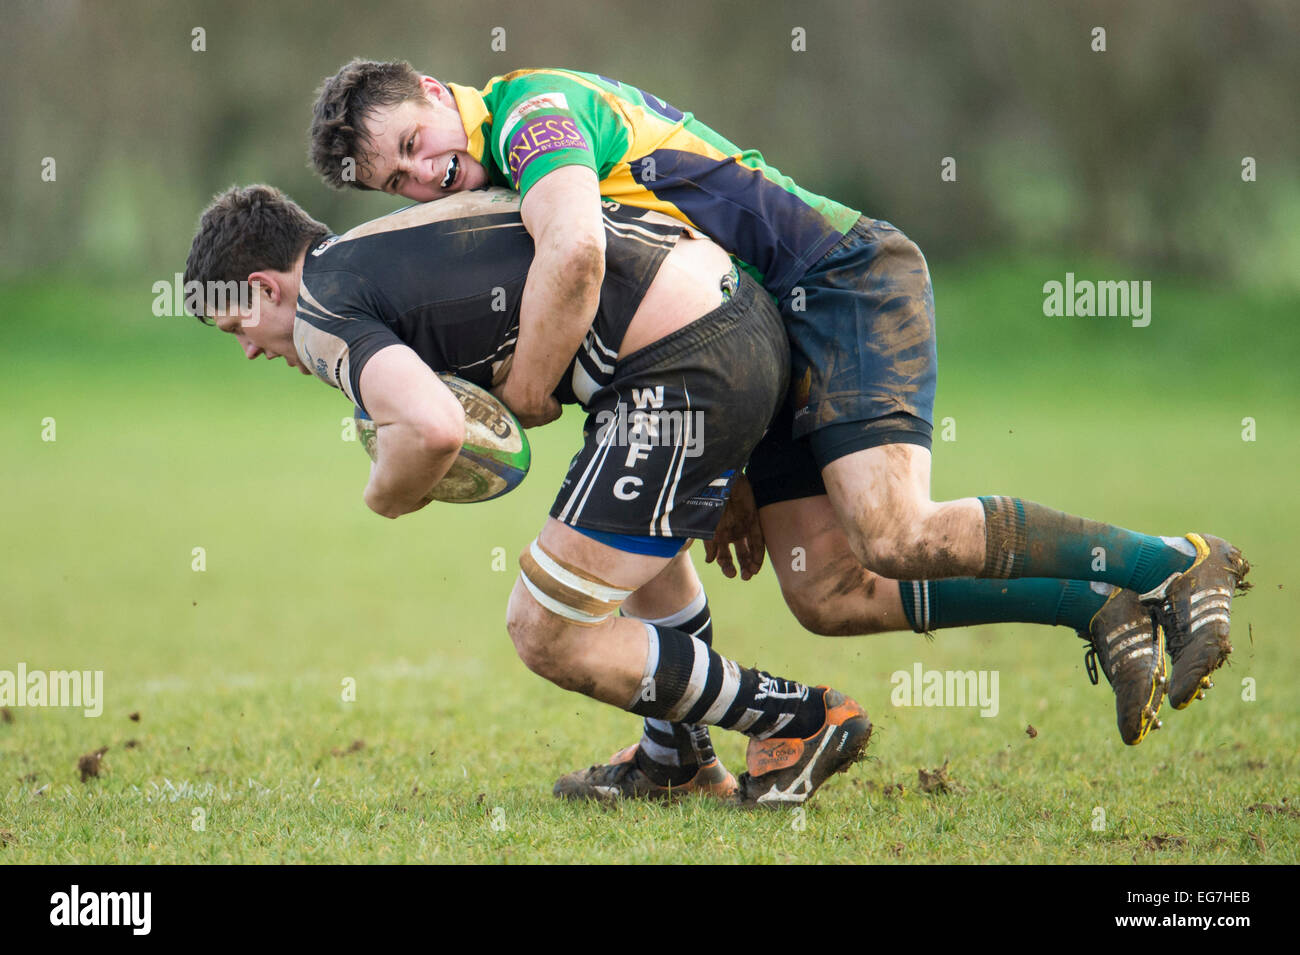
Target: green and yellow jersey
(651, 155)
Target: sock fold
(1024, 539)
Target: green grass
(167, 442)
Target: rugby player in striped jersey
(683, 365)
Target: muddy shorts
(863, 361)
(665, 438)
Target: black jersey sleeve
(337, 328)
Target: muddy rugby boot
(621, 778)
(1129, 643)
(785, 772)
(1195, 608)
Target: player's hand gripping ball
(494, 458)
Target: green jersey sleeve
(545, 120)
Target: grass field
(167, 442)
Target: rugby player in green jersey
(844, 472)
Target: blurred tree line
(1135, 152)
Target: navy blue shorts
(863, 361)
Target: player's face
(262, 331)
(419, 148)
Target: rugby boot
(621, 778)
(1195, 609)
(786, 772)
(1129, 644)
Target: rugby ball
(494, 458)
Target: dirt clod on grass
(131, 744)
(938, 781)
(88, 765)
(6, 837)
(357, 746)
(134, 717)
(1163, 841)
(1030, 731)
(889, 789)
(6, 715)
(1265, 809)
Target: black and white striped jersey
(446, 278)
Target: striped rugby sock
(672, 753)
(686, 681)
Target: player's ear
(265, 286)
(265, 289)
(435, 90)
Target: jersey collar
(473, 113)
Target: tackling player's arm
(738, 526)
(420, 427)
(557, 139)
(563, 215)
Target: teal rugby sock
(1023, 539)
(967, 601)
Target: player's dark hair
(343, 103)
(244, 230)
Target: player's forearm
(560, 300)
(410, 461)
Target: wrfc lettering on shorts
(640, 462)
